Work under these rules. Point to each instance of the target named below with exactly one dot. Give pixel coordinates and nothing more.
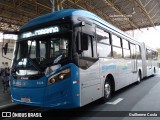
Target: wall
(3, 61)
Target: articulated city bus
(71, 57)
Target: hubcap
(107, 90)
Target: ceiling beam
(13, 7)
(142, 7)
(152, 9)
(19, 4)
(147, 3)
(100, 13)
(113, 6)
(13, 20)
(42, 5)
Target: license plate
(25, 100)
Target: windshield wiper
(35, 65)
(57, 59)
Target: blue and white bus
(71, 57)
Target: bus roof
(74, 12)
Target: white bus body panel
(91, 86)
(150, 67)
(92, 79)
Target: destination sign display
(43, 31)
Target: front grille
(28, 77)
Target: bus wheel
(107, 90)
(139, 78)
(154, 71)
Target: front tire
(107, 91)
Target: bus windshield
(41, 52)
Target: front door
(89, 67)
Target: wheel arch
(140, 73)
(155, 70)
(111, 79)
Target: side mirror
(82, 41)
(5, 48)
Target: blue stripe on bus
(113, 67)
(108, 67)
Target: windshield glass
(36, 54)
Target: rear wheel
(139, 77)
(154, 71)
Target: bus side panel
(120, 69)
(144, 63)
(90, 84)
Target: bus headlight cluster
(62, 75)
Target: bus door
(134, 58)
(89, 66)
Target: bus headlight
(62, 75)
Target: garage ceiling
(125, 14)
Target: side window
(116, 41)
(117, 48)
(125, 44)
(102, 36)
(117, 52)
(148, 54)
(133, 51)
(89, 52)
(104, 50)
(126, 49)
(154, 55)
(138, 52)
(103, 43)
